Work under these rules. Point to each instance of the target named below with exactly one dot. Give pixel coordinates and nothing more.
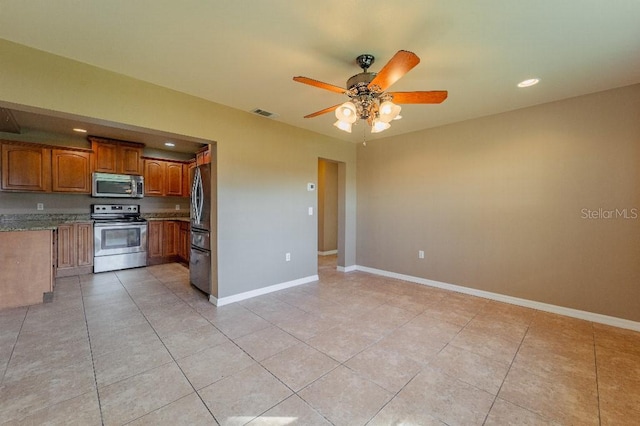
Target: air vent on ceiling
(264, 113)
(8, 123)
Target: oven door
(119, 238)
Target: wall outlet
(40, 206)
(177, 206)
(420, 254)
(287, 257)
(310, 211)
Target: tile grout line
(93, 362)
(507, 374)
(595, 362)
(6, 368)
(168, 351)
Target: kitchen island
(27, 266)
(28, 256)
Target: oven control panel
(127, 209)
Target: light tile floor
(142, 347)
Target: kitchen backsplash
(27, 203)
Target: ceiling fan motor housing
(359, 83)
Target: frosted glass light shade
(388, 111)
(347, 113)
(378, 126)
(342, 125)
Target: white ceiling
(244, 53)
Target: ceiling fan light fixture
(378, 126)
(347, 113)
(343, 125)
(369, 100)
(388, 111)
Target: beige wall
(497, 203)
(263, 165)
(327, 206)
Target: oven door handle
(120, 226)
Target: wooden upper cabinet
(173, 179)
(188, 170)
(117, 156)
(203, 156)
(154, 177)
(129, 159)
(163, 178)
(26, 168)
(71, 171)
(105, 156)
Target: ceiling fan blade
(401, 63)
(320, 84)
(432, 97)
(324, 111)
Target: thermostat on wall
(311, 186)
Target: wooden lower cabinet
(165, 242)
(171, 234)
(184, 250)
(74, 249)
(154, 242)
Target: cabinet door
(185, 240)
(129, 160)
(105, 156)
(154, 239)
(71, 171)
(26, 168)
(66, 246)
(171, 236)
(173, 179)
(187, 177)
(154, 177)
(84, 244)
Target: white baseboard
(561, 310)
(347, 268)
(327, 253)
(259, 292)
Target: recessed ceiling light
(170, 144)
(529, 82)
(79, 130)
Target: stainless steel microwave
(117, 186)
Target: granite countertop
(44, 222)
(38, 222)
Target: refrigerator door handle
(197, 198)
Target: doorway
(330, 213)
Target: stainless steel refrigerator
(200, 261)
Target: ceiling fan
(369, 101)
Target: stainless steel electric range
(120, 237)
